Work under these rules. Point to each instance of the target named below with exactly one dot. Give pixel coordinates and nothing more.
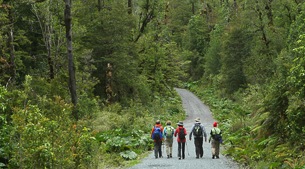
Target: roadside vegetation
(248, 137)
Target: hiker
(216, 138)
(199, 132)
(181, 133)
(168, 134)
(157, 136)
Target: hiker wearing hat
(216, 138)
(181, 133)
(199, 132)
(157, 136)
(168, 134)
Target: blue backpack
(157, 134)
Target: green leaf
(128, 155)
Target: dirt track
(194, 108)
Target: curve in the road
(193, 107)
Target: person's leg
(170, 148)
(160, 149)
(213, 144)
(200, 147)
(156, 149)
(167, 144)
(197, 150)
(179, 150)
(183, 150)
(217, 149)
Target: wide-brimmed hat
(197, 119)
(180, 123)
(168, 122)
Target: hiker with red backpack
(199, 132)
(181, 139)
(168, 134)
(157, 136)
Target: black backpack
(181, 134)
(197, 130)
(217, 137)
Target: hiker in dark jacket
(199, 132)
(180, 133)
(215, 131)
(157, 139)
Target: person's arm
(175, 133)
(152, 130)
(191, 133)
(210, 136)
(164, 132)
(204, 133)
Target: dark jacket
(204, 134)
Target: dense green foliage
(246, 58)
(256, 88)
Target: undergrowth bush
(124, 132)
(245, 138)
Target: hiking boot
(197, 157)
(179, 158)
(213, 156)
(217, 156)
(170, 156)
(167, 156)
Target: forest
(83, 81)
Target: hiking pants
(198, 146)
(157, 148)
(215, 148)
(181, 148)
(169, 147)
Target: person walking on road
(168, 134)
(199, 132)
(216, 138)
(181, 139)
(157, 136)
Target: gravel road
(194, 108)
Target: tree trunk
(193, 8)
(129, 6)
(262, 26)
(268, 7)
(11, 46)
(48, 40)
(99, 5)
(71, 68)
(46, 30)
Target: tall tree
(8, 51)
(212, 58)
(47, 16)
(71, 67)
(236, 50)
(197, 41)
